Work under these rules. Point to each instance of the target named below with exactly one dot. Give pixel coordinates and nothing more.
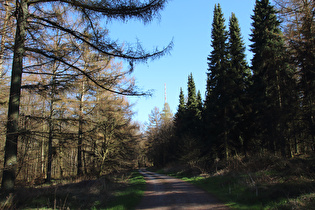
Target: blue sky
(188, 23)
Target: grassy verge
(267, 183)
(129, 197)
(240, 195)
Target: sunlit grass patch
(129, 197)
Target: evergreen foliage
(271, 78)
(199, 106)
(217, 60)
(191, 107)
(216, 97)
(180, 114)
(237, 84)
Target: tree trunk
(281, 135)
(50, 150)
(51, 125)
(80, 132)
(10, 158)
(225, 137)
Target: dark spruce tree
(188, 132)
(199, 120)
(238, 76)
(215, 111)
(271, 79)
(186, 116)
(199, 108)
(191, 107)
(180, 115)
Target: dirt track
(164, 192)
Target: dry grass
(278, 183)
(260, 182)
(64, 194)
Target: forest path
(165, 192)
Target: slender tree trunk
(225, 137)
(281, 135)
(80, 132)
(51, 125)
(50, 151)
(43, 150)
(10, 158)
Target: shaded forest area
(263, 108)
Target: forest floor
(261, 182)
(83, 193)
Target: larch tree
(103, 129)
(35, 19)
(166, 114)
(162, 147)
(115, 149)
(155, 121)
(298, 23)
(153, 128)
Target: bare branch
(116, 9)
(126, 92)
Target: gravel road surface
(165, 192)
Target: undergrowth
(261, 182)
(117, 192)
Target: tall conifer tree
(191, 102)
(270, 77)
(180, 114)
(199, 106)
(215, 114)
(191, 107)
(199, 120)
(238, 74)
